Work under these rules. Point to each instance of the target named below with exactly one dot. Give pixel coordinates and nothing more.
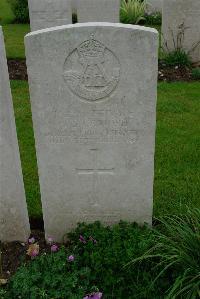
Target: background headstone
(154, 6)
(14, 224)
(49, 13)
(178, 16)
(98, 11)
(93, 94)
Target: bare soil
(18, 71)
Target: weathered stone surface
(98, 10)
(14, 224)
(154, 6)
(182, 16)
(49, 13)
(93, 95)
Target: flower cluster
(97, 295)
(84, 241)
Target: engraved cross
(95, 172)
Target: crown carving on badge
(91, 48)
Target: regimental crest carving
(92, 71)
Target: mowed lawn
(177, 163)
(14, 39)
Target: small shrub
(20, 10)
(177, 58)
(196, 73)
(132, 11)
(153, 19)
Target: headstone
(49, 13)
(93, 95)
(98, 11)
(74, 5)
(154, 6)
(181, 20)
(14, 224)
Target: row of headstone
(51, 13)
(14, 224)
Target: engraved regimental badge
(92, 71)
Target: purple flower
(82, 239)
(54, 248)
(31, 240)
(97, 295)
(71, 258)
(93, 240)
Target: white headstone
(14, 224)
(182, 16)
(98, 11)
(93, 95)
(154, 6)
(49, 13)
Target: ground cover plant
(122, 261)
(93, 262)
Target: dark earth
(17, 70)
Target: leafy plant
(196, 73)
(92, 263)
(3, 294)
(177, 58)
(20, 10)
(153, 19)
(132, 11)
(177, 250)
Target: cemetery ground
(176, 187)
(79, 267)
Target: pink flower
(54, 248)
(82, 239)
(97, 295)
(31, 240)
(33, 250)
(71, 258)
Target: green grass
(6, 14)
(177, 167)
(26, 145)
(177, 163)
(14, 39)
